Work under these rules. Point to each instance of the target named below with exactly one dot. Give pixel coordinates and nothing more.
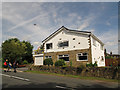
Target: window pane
(64, 57)
(79, 54)
(84, 54)
(49, 46)
(82, 57)
(62, 44)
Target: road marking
(15, 77)
(60, 87)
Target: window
(82, 57)
(64, 57)
(49, 46)
(63, 44)
(47, 57)
(94, 42)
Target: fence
(112, 62)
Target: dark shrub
(60, 62)
(48, 61)
(79, 70)
(95, 64)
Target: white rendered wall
(67, 36)
(97, 52)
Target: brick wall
(72, 56)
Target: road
(33, 80)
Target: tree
(28, 51)
(15, 50)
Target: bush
(92, 65)
(48, 61)
(60, 62)
(70, 63)
(25, 62)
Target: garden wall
(102, 72)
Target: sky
(100, 18)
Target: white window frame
(50, 47)
(62, 42)
(64, 56)
(81, 55)
(48, 57)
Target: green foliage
(15, 50)
(60, 62)
(92, 65)
(108, 57)
(25, 62)
(71, 63)
(48, 61)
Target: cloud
(110, 39)
(24, 22)
(108, 23)
(86, 22)
(36, 43)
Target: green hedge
(48, 61)
(60, 62)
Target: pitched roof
(69, 30)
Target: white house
(73, 46)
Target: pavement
(32, 80)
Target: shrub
(92, 65)
(70, 63)
(25, 62)
(95, 64)
(60, 62)
(48, 61)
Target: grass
(74, 76)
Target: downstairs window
(82, 57)
(64, 57)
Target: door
(38, 60)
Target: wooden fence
(112, 62)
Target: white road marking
(60, 87)
(15, 77)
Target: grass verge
(74, 76)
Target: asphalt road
(33, 80)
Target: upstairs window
(82, 57)
(49, 46)
(63, 44)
